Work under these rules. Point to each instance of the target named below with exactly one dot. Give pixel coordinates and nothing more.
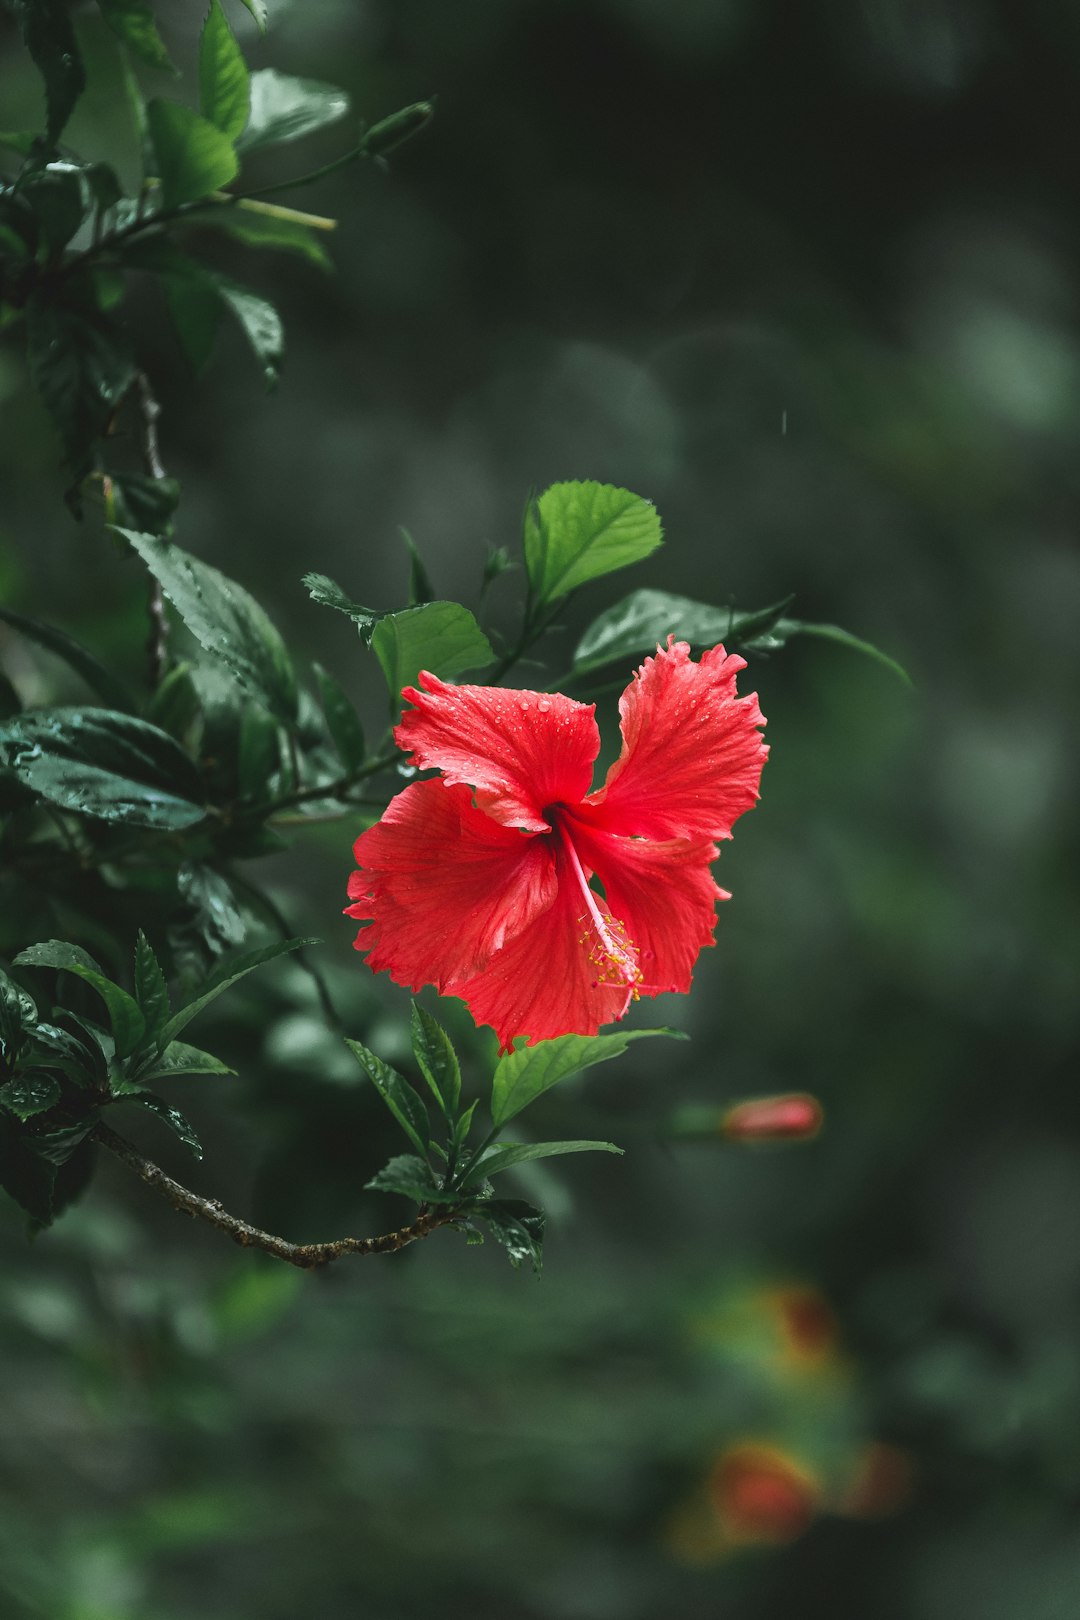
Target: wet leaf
(406, 1105)
(103, 764)
(226, 620)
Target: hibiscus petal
(692, 755)
(444, 886)
(545, 982)
(663, 893)
(521, 751)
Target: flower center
(605, 937)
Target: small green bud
(390, 133)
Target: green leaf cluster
(61, 1075)
(69, 234)
(446, 1167)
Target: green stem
(342, 162)
(330, 790)
(533, 628)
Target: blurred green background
(805, 276)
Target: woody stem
(307, 1256)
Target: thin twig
(307, 1256)
(330, 790)
(158, 641)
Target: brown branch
(157, 643)
(305, 1255)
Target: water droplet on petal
(543, 705)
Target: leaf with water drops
(226, 620)
(50, 38)
(517, 1226)
(128, 1023)
(643, 621)
(18, 1016)
(406, 1105)
(29, 1094)
(103, 764)
(172, 1117)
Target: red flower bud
(794, 1117)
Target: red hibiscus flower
(479, 881)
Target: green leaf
(522, 1076)
(328, 593)
(110, 766)
(82, 369)
(224, 86)
(209, 896)
(30, 1094)
(193, 156)
(54, 1048)
(172, 1117)
(408, 1175)
(497, 561)
(179, 1058)
(141, 502)
(643, 621)
(96, 676)
(59, 195)
(258, 757)
(50, 38)
(125, 1017)
(151, 990)
(220, 980)
(58, 1146)
(174, 705)
(420, 586)
(102, 1044)
(436, 1059)
(196, 314)
(461, 1129)
(442, 637)
(226, 620)
(518, 1226)
(505, 1156)
(24, 1175)
(259, 322)
(406, 1105)
(781, 633)
(284, 108)
(18, 1016)
(18, 140)
(133, 22)
(342, 721)
(258, 11)
(262, 225)
(578, 531)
